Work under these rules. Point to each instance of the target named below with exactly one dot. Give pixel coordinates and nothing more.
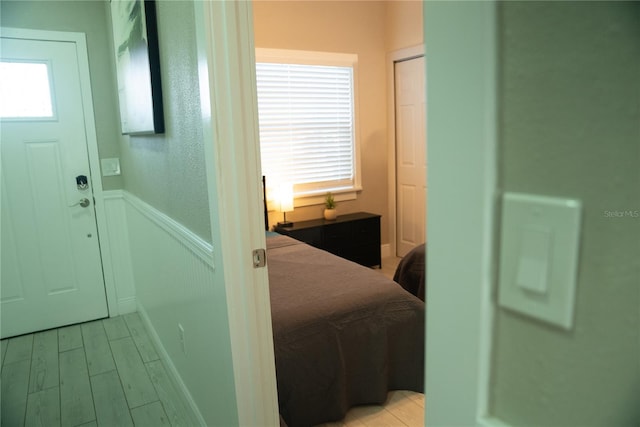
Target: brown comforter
(412, 272)
(344, 334)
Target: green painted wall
(570, 127)
(89, 17)
(168, 170)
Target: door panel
(51, 266)
(11, 289)
(407, 204)
(411, 164)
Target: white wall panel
(176, 284)
(120, 253)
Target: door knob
(84, 202)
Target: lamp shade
(284, 197)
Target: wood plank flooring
(108, 373)
(101, 373)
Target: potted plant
(330, 212)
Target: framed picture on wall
(135, 42)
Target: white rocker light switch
(533, 259)
(539, 256)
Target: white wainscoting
(176, 284)
(172, 373)
(194, 244)
(150, 254)
(120, 253)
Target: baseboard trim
(127, 305)
(172, 371)
(385, 250)
(195, 243)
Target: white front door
(51, 265)
(411, 154)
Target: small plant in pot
(330, 212)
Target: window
(307, 120)
(24, 90)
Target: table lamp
(284, 200)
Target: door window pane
(25, 91)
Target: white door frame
(462, 174)
(393, 57)
(462, 135)
(92, 144)
(226, 58)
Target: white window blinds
(306, 115)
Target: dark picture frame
(137, 59)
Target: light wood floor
(105, 372)
(108, 373)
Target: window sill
(318, 198)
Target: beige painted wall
(569, 127)
(350, 27)
(89, 17)
(404, 24)
(364, 28)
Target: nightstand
(355, 237)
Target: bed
(411, 271)
(344, 334)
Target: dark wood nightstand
(355, 237)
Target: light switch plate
(110, 167)
(539, 256)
